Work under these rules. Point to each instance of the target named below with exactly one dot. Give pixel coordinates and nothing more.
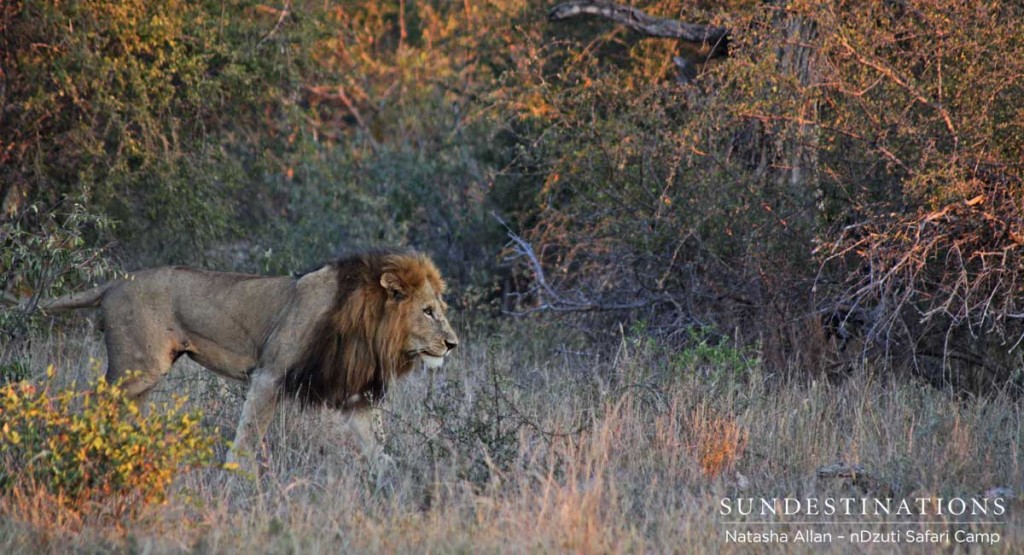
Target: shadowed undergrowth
(532, 442)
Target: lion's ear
(393, 284)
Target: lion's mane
(356, 349)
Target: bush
(855, 164)
(683, 203)
(715, 356)
(95, 446)
(45, 253)
(921, 145)
(160, 113)
(479, 433)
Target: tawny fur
(335, 336)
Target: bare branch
(282, 14)
(548, 298)
(640, 22)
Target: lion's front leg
(260, 403)
(368, 424)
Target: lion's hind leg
(135, 359)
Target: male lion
(335, 336)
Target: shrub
(14, 371)
(43, 253)
(95, 446)
(923, 147)
(858, 164)
(482, 431)
(714, 354)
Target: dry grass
(526, 444)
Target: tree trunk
(797, 146)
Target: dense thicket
(845, 185)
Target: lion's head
(415, 310)
(388, 315)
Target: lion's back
(229, 308)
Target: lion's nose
(451, 343)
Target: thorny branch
(913, 268)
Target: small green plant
(641, 338)
(12, 372)
(94, 446)
(707, 350)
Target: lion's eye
(429, 311)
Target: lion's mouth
(430, 360)
(427, 352)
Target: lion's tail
(83, 299)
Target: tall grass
(534, 441)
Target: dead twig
(283, 14)
(549, 299)
(637, 20)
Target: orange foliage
(720, 442)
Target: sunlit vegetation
(681, 270)
(77, 451)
